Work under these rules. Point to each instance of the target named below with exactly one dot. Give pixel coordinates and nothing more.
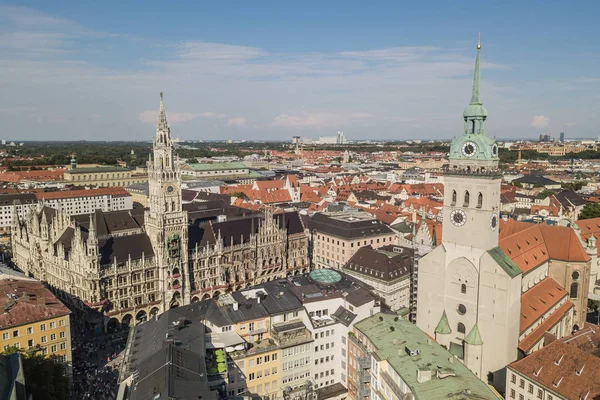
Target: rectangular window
(30, 343)
(63, 346)
(29, 330)
(530, 388)
(52, 325)
(53, 348)
(53, 337)
(5, 336)
(15, 333)
(44, 339)
(540, 394)
(513, 378)
(521, 383)
(251, 376)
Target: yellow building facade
(34, 319)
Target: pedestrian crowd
(96, 362)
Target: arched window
(575, 275)
(453, 198)
(463, 288)
(479, 200)
(574, 290)
(461, 328)
(466, 203)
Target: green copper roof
(474, 337)
(217, 166)
(443, 327)
(393, 340)
(475, 108)
(504, 261)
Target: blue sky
(271, 70)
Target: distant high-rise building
(295, 139)
(562, 137)
(545, 137)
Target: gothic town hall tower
(166, 222)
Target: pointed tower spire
(476, 78)
(162, 117)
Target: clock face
(493, 222)
(469, 149)
(458, 217)
(170, 189)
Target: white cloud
(211, 114)
(540, 122)
(236, 121)
(318, 120)
(570, 124)
(395, 92)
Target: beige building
(103, 176)
(337, 236)
(388, 270)
(34, 319)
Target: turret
(443, 331)
(473, 348)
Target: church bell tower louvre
(472, 182)
(165, 220)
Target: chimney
(236, 306)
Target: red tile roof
(538, 300)
(67, 194)
(563, 369)
(35, 303)
(538, 333)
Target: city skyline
(268, 73)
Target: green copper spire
(474, 337)
(475, 110)
(443, 327)
(475, 96)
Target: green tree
(44, 376)
(590, 210)
(239, 195)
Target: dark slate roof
(348, 229)
(344, 316)
(568, 199)
(232, 230)
(121, 247)
(188, 195)
(107, 223)
(17, 198)
(535, 179)
(383, 265)
(166, 357)
(200, 234)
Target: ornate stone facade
(133, 264)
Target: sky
(270, 70)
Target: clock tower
(166, 222)
(472, 183)
(469, 294)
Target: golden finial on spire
(479, 41)
(161, 93)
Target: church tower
(472, 183)
(468, 294)
(166, 222)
